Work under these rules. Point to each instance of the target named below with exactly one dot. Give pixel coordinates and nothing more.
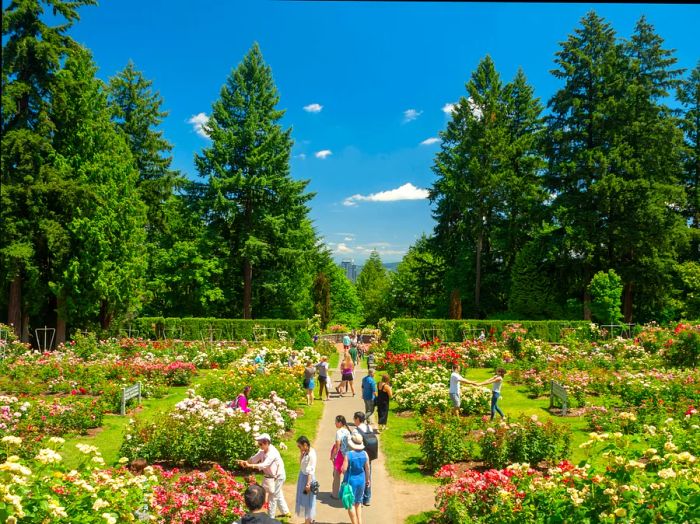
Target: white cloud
(342, 248)
(313, 108)
(406, 192)
(448, 108)
(430, 141)
(301, 156)
(476, 110)
(198, 121)
(325, 153)
(411, 114)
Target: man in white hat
(269, 461)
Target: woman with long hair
(497, 381)
(384, 394)
(241, 401)
(339, 450)
(346, 375)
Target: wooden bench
(129, 393)
(558, 393)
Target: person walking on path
(322, 368)
(497, 381)
(353, 354)
(455, 380)
(346, 376)
(370, 360)
(356, 470)
(269, 461)
(306, 498)
(369, 394)
(384, 394)
(371, 447)
(309, 374)
(254, 498)
(340, 449)
(346, 342)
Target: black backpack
(371, 443)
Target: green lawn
(403, 457)
(109, 439)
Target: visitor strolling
(356, 470)
(338, 452)
(384, 394)
(306, 496)
(369, 394)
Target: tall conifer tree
(256, 210)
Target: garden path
(392, 500)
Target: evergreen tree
(103, 277)
(488, 194)
(589, 62)
(372, 288)
(322, 298)
(136, 110)
(346, 307)
(255, 209)
(417, 287)
(688, 95)
(32, 54)
(532, 296)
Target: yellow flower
(620, 512)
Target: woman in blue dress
(356, 469)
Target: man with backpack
(371, 443)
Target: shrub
(443, 439)
(399, 342)
(303, 340)
(526, 440)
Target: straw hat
(356, 442)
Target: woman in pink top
(241, 401)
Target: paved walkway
(329, 511)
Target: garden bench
(558, 393)
(129, 393)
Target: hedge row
(458, 330)
(211, 328)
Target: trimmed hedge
(453, 330)
(221, 328)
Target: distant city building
(350, 269)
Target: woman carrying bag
(356, 469)
(306, 494)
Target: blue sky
(367, 65)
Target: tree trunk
(586, 305)
(25, 326)
(477, 284)
(60, 319)
(105, 315)
(247, 289)
(627, 302)
(455, 305)
(14, 307)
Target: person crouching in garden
(309, 385)
(356, 470)
(241, 401)
(269, 461)
(497, 381)
(306, 497)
